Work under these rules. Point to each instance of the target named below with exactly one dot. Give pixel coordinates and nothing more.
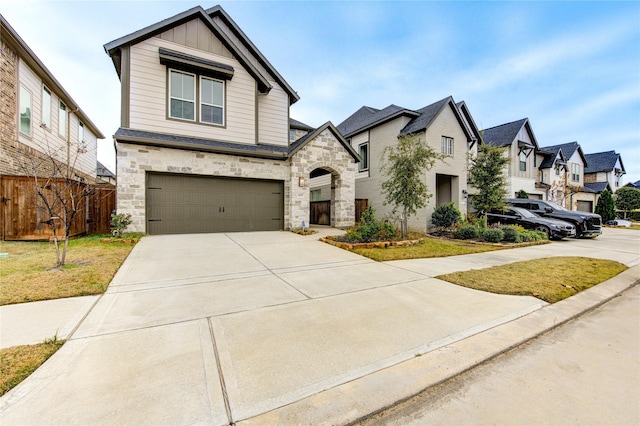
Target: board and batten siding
(273, 117)
(148, 96)
(197, 35)
(514, 168)
(49, 141)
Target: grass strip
(18, 362)
(551, 279)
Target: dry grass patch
(550, 279)
(28, 274)
(18, 362)
(431, 247)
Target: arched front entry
(326, 159)
(322, 184)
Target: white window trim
(62, 131)
(446, 145)
(201, 102)
(80, 132)
(521, 162)
(30, 134)
(194, 101)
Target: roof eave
(383, 121)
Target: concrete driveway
(221, 328)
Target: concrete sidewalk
(280, 328)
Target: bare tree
(60, 192)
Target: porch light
(301, 181)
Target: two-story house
(604, 170)
(520, 144)
(39, 122)
(446, 126)
(205, 141)
(563, 169)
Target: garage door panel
(196, 204)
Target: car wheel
(544, 229)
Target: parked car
(587, 224)
(554, 228)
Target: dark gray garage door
(185, 204)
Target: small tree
(627, 199)
(60, 193)
(606, 207)
(487, 175)
(522, 194)
(405, 164)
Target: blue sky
(572, 68)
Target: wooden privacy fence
(23, 218)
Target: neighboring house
(604, 170)
(446, 126)
(635, 184)
(104, 175)
(39, 121)
(205, 144)
(567, 182)
(520, 144)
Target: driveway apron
(219, 328)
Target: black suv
(587, 224)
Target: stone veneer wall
(133, 161)
(326, 152)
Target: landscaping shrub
(529, 236)
(511, 234)
(445, 216)
(522, 194)
(493, 235)
(119, 223)
(467, 232)
(369, 229)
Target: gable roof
(505, 134)
(568, 149)
(300, 143)
(551, 155)
(464, 110)
(367, 117)
(603, 162)
(113, 48)
(11, 37)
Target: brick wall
(8, 106)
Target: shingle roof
(503, 134)
(550, 155)
(427, 114)
(101, 170)
(595, 187)
(295, 124)
(368, 117)
(602, 162)
(568, 149)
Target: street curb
(366, 396)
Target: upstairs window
(182, 95)
(363, 151)
(80, 132)
(575, 172)
(211, 101)
(25, 111)
(46, 107)
(446, 145)
(523, 161)
(292, 135)
(62, 120)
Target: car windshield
(524, 212)
(556, 206)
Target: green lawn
(550, 279)
(28, 273)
